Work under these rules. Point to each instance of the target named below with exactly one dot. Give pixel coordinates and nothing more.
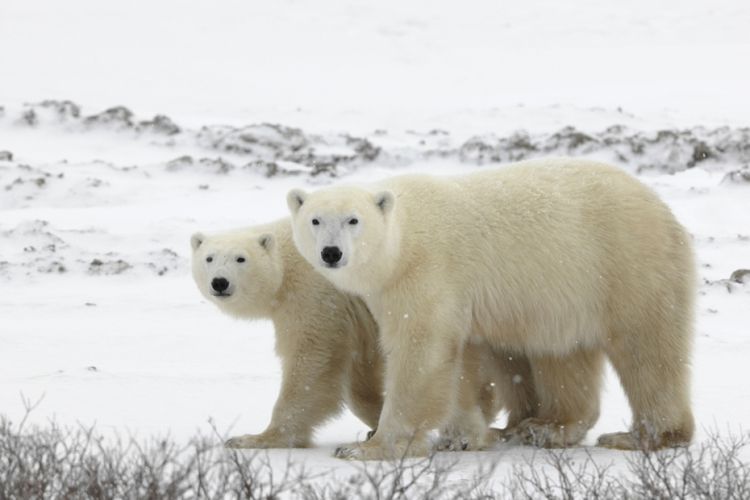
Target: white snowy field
(98, 312)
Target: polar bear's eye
(315, 222)
(240, 259)
(353, 221)
(209, 259)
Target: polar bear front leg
(466, 430)
(423, 359)
(311, 392)
(477, 404)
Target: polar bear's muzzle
(332, 257)
(220, 287)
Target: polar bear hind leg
(656, 382)
(567, 388)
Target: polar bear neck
(295, 269)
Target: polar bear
(563, 261)
(327, 340)
(328, 343)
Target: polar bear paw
(548, 434)
(642, 441)
(266, 440)
(371, 450)
(463, 441)
(618, 441)
(453, 443)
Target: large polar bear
(328, 342)
(562, 261)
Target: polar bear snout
(331, 256)
(220, 287)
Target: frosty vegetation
(63, 462)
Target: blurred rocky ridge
(39, 248)
(277, 150)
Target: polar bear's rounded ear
(385, 201)
(295, 199)
(196, 240)
(266, 241)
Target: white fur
(559, 260)
(327, 340)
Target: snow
(352, 64)
(98, 313)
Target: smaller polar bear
(562, 261)
(328, 343)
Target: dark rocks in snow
(266, 140)
(33, 177)
(208, 165)
(216, 165)
(63, 110)
(481, 149)
(161, 124)
(271, 144)
(739, 176)
(118, 116)
(37, 231)
(736, 282)
(53, 267)
(50, 110)
(364, 148)
(701, 152)
(180, 163)
(29, 118)
(6, 156)
(272, 149)
(269, 169)
(37, 249)
(163, 261)
(740, 276)
(665, 150)
(325, 167)
(570, 139)
(95, 182)
(99, 267)
(517, 146)
(521, 141)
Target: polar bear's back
(553, 251)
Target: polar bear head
(342, 231)
(240, 271)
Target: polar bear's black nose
(331, 255)
(219, 284)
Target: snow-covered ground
(233, 103)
